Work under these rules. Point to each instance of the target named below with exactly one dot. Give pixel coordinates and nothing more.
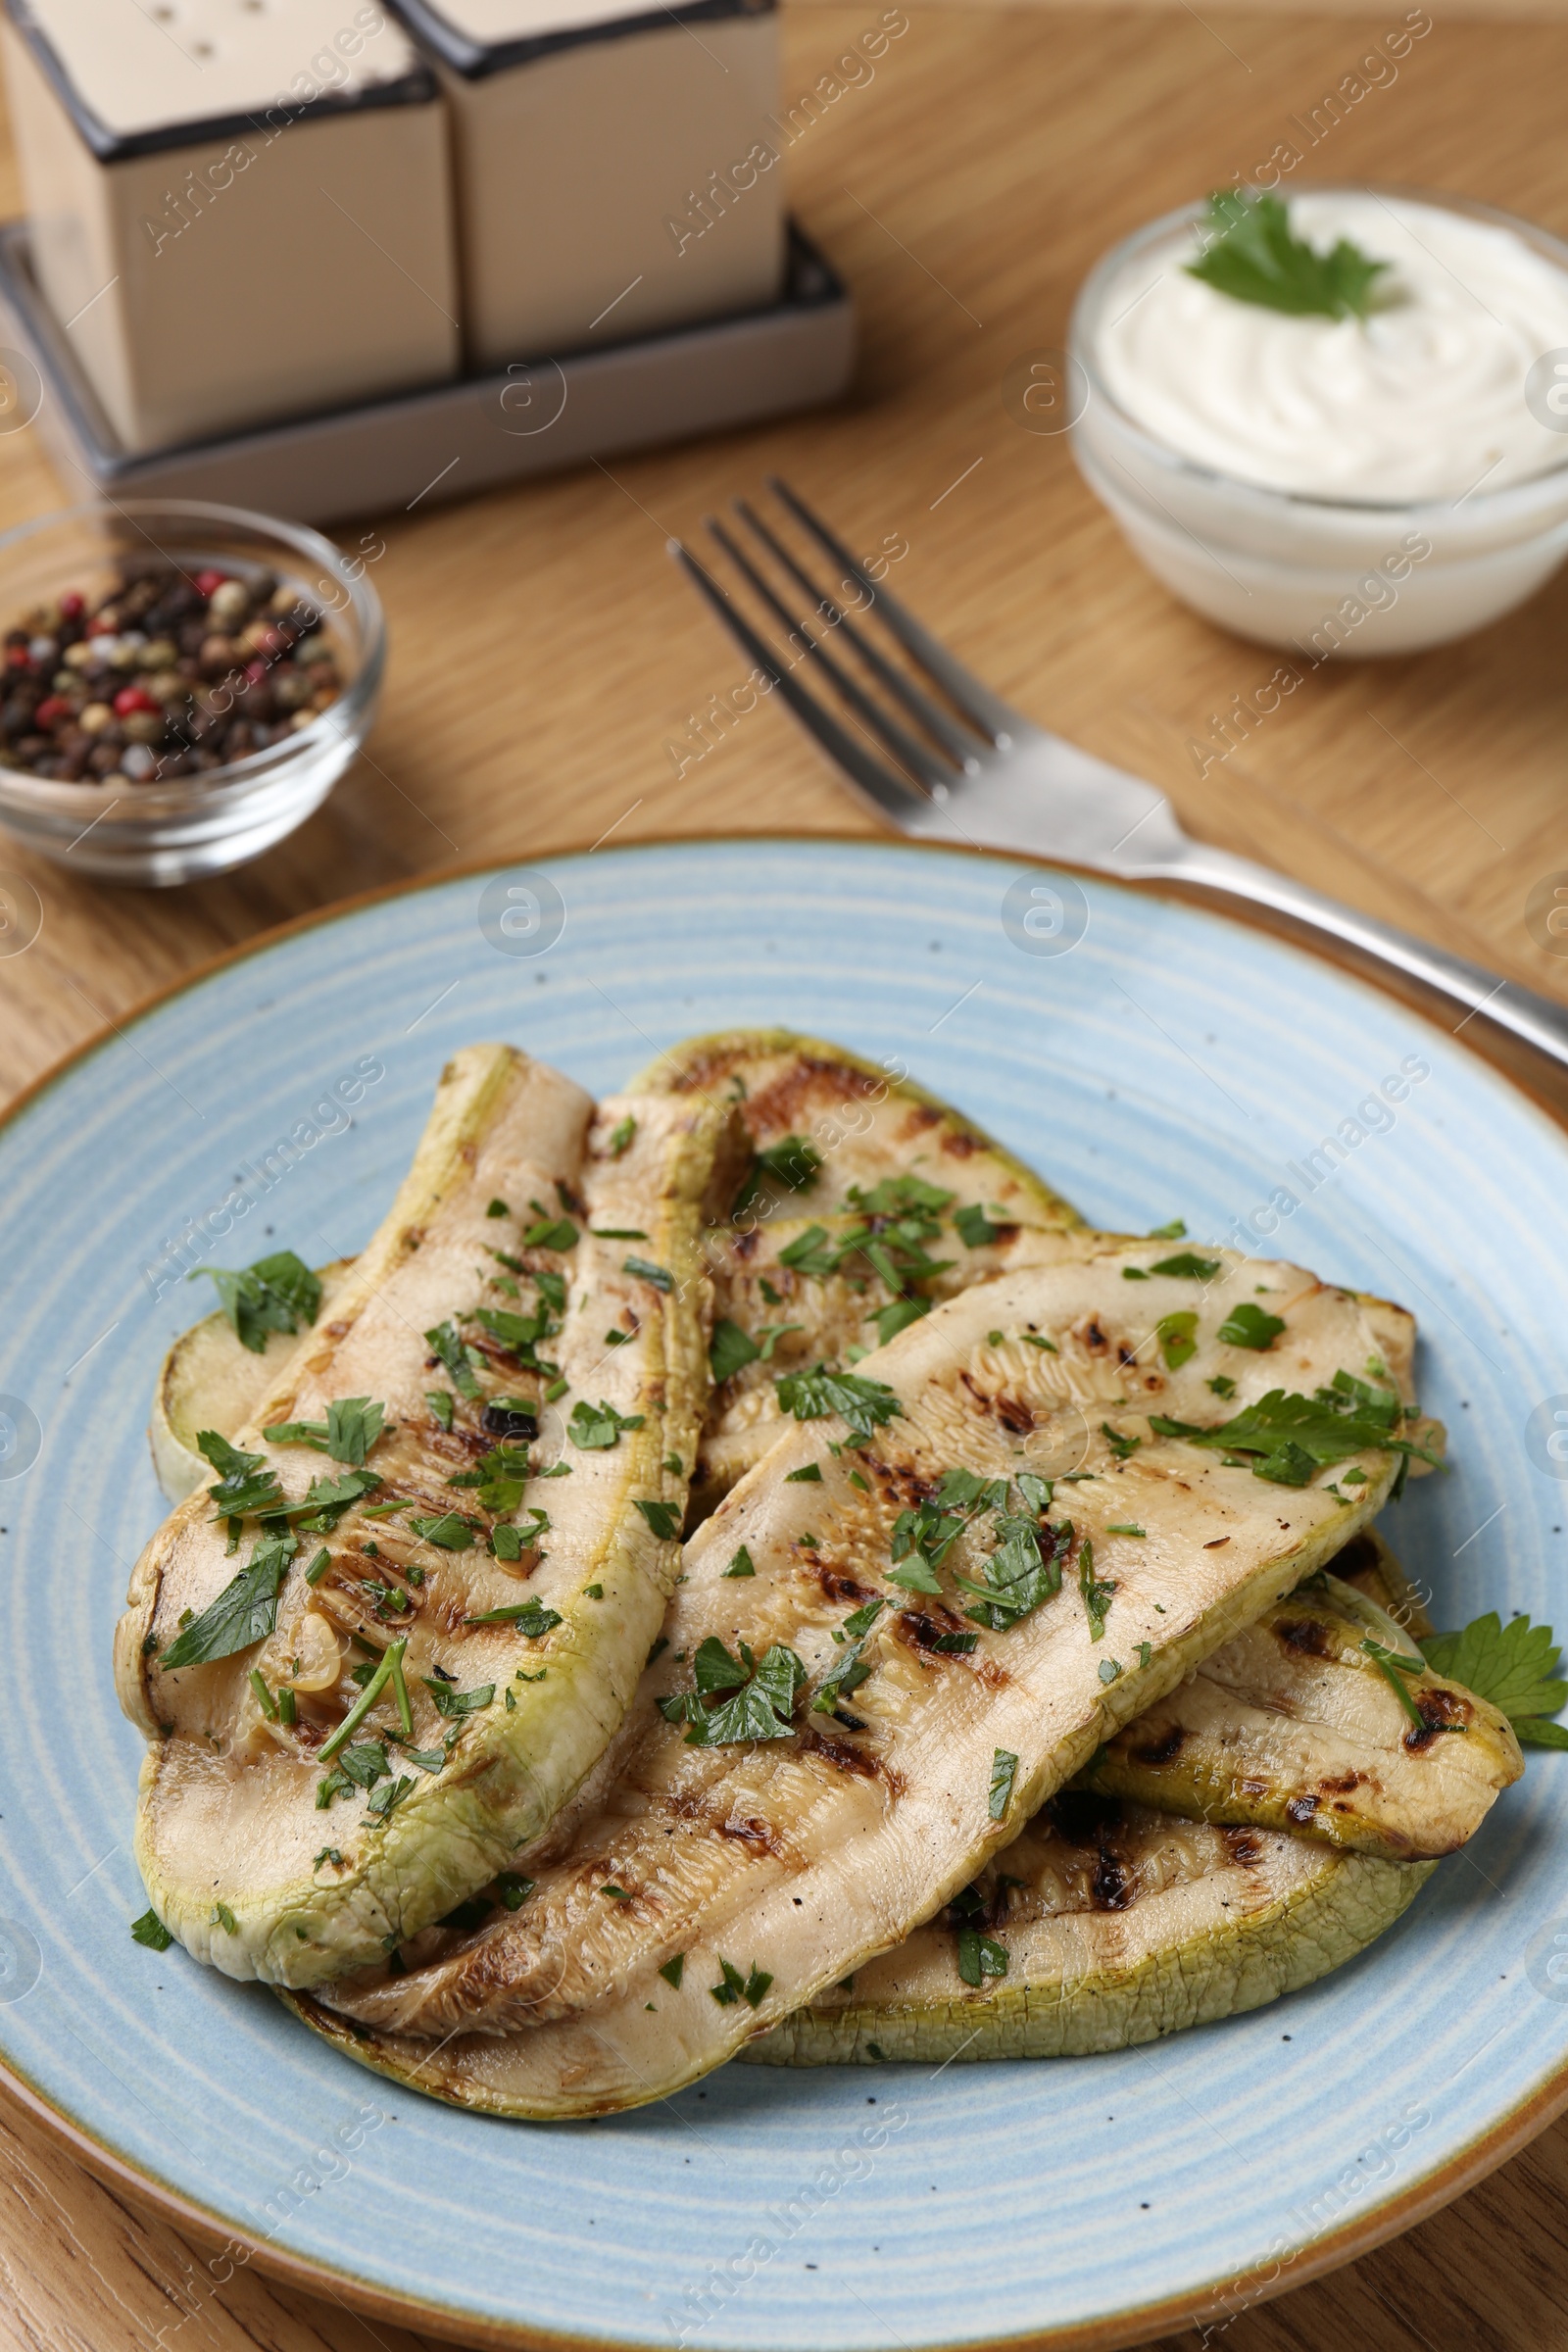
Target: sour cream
(1424, 399)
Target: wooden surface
(545, 655)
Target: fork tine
(1000, 723)
(889, 793)
(960, 743)
(915, 755)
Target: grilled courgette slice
(780, 1819)
(382, 1651)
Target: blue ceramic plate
(1160, 1062)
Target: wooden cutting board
(545, 658)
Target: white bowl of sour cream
(1350, 486)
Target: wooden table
(546, 655)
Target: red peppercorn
(255, 671)
(131, 699)
(72, 605)
(207, 581)
(53, 707)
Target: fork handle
(1527, 1014)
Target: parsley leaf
(732, 1986)
(795, 1163)
(151, 1931)
(1346, 1417)
(1004, 1772)
(742, 1564)
(620, 1136)
(979, 1955)
(662, 1517)
(245, 1482)
(730, 1349)
(1187, 1264)
(644, 1270)
(848, 1672)
(1096, 1591)
(761, 1700)
(1177, 1337)
(530, 1617)
(901, 1196)
(244, 1612)
(276, 1293)
(551, 1233)
(456, 1704)
(451, 1532)
(1514, 1665)
(594, 1428)
(445, 1344)
(351, 1427)
(1247, 1326)
(863, 1405)
(1256, 257)
(1021, 1573)
(975, 1225)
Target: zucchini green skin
(227, 1824)
(1232, 1941)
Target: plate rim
(1513, 2131)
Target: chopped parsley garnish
(663, 1518)
(1255, 256)
(863, 1405)
(330, 1854)
(451, 1532)
(733, 1986)
(1175, 1231)
(617, 1895)
(244, 1612)
(975, 1225)
(811, 1475)
(1004, 1772)
(222, 1917)
(617, 1233)
(351, 1427)
(440, 1401)
(456, 1704)
(498, 1209)
(730, 1349)
(1111, 1670)
(594, 1428)
(1514, 1665)
(445, 1345)
(620, 1136)
(530, 1617)
(644, 1270)
(673, 1970)
(890, 1320)
(1033, 1338)
(1122, 1448)
(1295, 1435)
(1021, 1573)
(901, 1196)
(246, 1482)
(278, 1293)
(514, 1890)
(737, 1698)
(1222, 1384)
(1188, 1265)
(151, 1931)
(1247, 1326)
(795, 1164)
(1096, 1591)
(979, 1955)
(848, 1672)
(1125, 1526)
(1177, 1337)
(551, 1233)
(741, 1564)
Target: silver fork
(989, 776)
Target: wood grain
(546, 656)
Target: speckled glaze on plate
(1169, 1062)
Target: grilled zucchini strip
(272, 1843)
(861, 1120)
(789, 1861)
(208, 1380)
(1118, 1926)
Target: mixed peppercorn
(165, 674)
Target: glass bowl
(185, 827)
(1333, 578)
